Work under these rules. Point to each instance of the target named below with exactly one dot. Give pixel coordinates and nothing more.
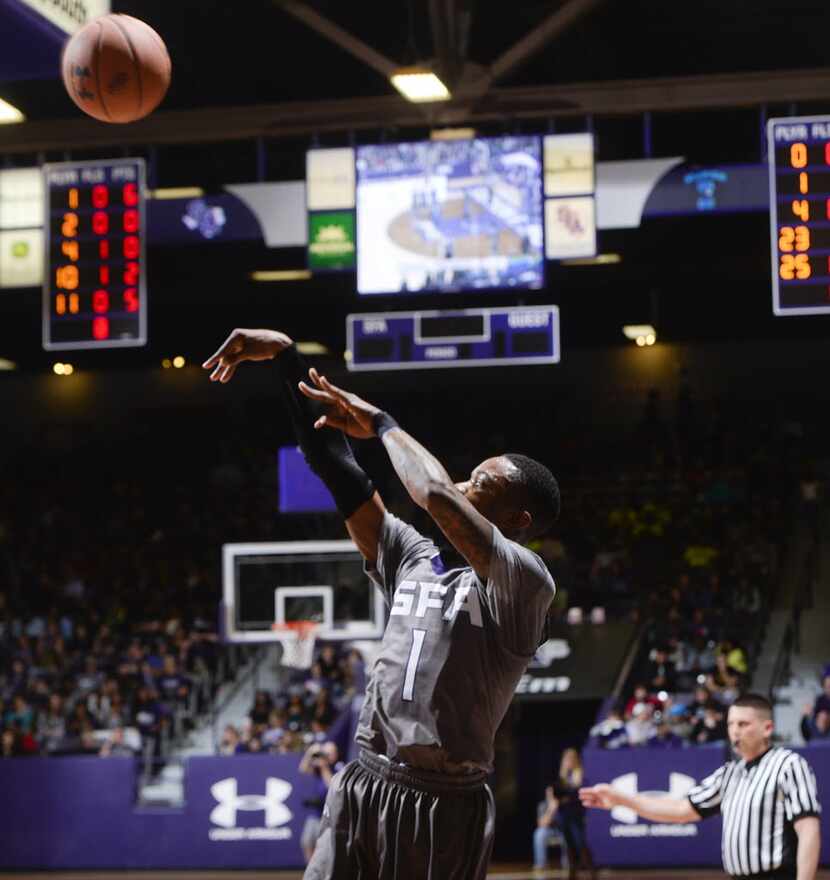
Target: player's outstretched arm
(330, 455)
(244, 345)
(424, 477)
(658, 809)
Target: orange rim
(303, 629)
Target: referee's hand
(600, 796)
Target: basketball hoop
(297, 638)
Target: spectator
(10, 743)
(611, 733)
(323, 762)
(822, 703)
(330, 665)
(51, 724)
(546, 831)
(697, 707)
(711, 728)
(276, 729)
(664, 737)
(295, 713)
(116, 746)
(263, 704)
(640, 695)
(172, 685)
(20, 715)
(725, 682)
(231, 742)
(640, 727)
(817, 727)
(148, 715)
(660, 674)
(571, 813)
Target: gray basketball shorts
(385, 821)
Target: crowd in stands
(692, 555)
(73, 683)
(110, 574)
(303, 711)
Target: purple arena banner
(248, 812)
(621, 838)
(80, 813)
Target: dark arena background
(604, 244)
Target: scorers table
(799, 181)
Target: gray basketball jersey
(453, 650)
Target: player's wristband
(383, 422)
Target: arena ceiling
(255, 69)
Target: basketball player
(415, 804)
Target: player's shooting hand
(346, 411)
(600, 796)
(244, 345)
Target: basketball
(116, 68)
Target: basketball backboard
(285, 581)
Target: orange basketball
(116, 68)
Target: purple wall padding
(620, 839)
(79, 813)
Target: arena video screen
(450, 216)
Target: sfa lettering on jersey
(418, 597)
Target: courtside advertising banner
(621, 838)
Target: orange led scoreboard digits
(94, 292)
(799, 180)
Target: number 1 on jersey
(418, 636)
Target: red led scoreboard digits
(799, 177)
(94, 290)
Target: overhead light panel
(177, 192)
(419, 85)
(598, 260)
(9, 114)
(281, 275)
(452, 134)
(6, 364)
(312, 348)
(642, 334)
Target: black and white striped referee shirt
(759, 801)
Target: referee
(767, 799)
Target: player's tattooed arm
(431, 488)
(424, 477)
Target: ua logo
(552, 649)
(679, 784)
(226, 793)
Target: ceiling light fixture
(312, 348)
(598, 260)
(177, 192)
(642, 334)
(281, 275)
(6, 364)
(9, 114)
(419, 84)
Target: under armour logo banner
(679, 784)
(230, 801)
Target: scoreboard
(464, 338)
(799, 180)
(94, 291)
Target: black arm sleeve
(327, 452)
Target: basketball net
(297, 639)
